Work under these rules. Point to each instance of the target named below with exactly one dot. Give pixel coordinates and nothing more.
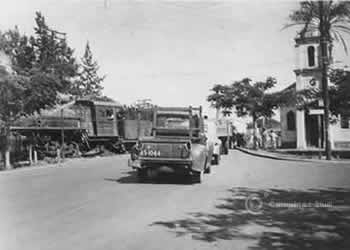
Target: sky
(172, 52)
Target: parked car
(177, 145)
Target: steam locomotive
(85, 127)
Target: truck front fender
(199, 156)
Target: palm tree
(332, 20)
(335, 17)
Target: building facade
(304, 129)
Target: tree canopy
(88, 82)
(42, 68)
(335, 16)
(12, 88)
(45, 60)
(47, 67)
(246, 97)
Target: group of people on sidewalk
(268, 139)
(265, 139)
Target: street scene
(174, 125)
(99, 204)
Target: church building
(303, 129)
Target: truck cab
(177, 145)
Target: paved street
(97, 204)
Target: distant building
(304, 129)
(239, 123)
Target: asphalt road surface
(98, 204)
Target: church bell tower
(308, 75)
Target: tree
(331, 19)
(20, 47)
(43, 67)
(89, 82)
(339, 92)
(11, 106)
(248, 99)
(220, 99)
(53, 55)
(45, 59)
(46, 52)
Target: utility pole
(62, 135)
(106, 4)
(324, 65)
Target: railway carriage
(73, 128)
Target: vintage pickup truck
(177, 145)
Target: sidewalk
(289, 157)
(66, 162)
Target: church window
(290, 120)
(345, 121)
(311, 55)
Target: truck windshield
(172, 121)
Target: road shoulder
(284, 157)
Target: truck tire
(216, 159)
(141, 175)
(197, 177)
(207, 167)
(208, 170)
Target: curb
(46, 165)
(276, 157)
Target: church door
(314, 130)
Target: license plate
(150, 153)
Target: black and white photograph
(174, 125)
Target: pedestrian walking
(265, 137)
(273, 139)
(233, 139)
(258, 138)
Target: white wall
(302, 56)
(339, 135)
(287, 135)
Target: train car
(136, 123)
(99, 118)
(86, 126)
(74, 128)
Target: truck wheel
(197, 177)
(207, 166)
(207, 170)
(216, 159)
(141, 175)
